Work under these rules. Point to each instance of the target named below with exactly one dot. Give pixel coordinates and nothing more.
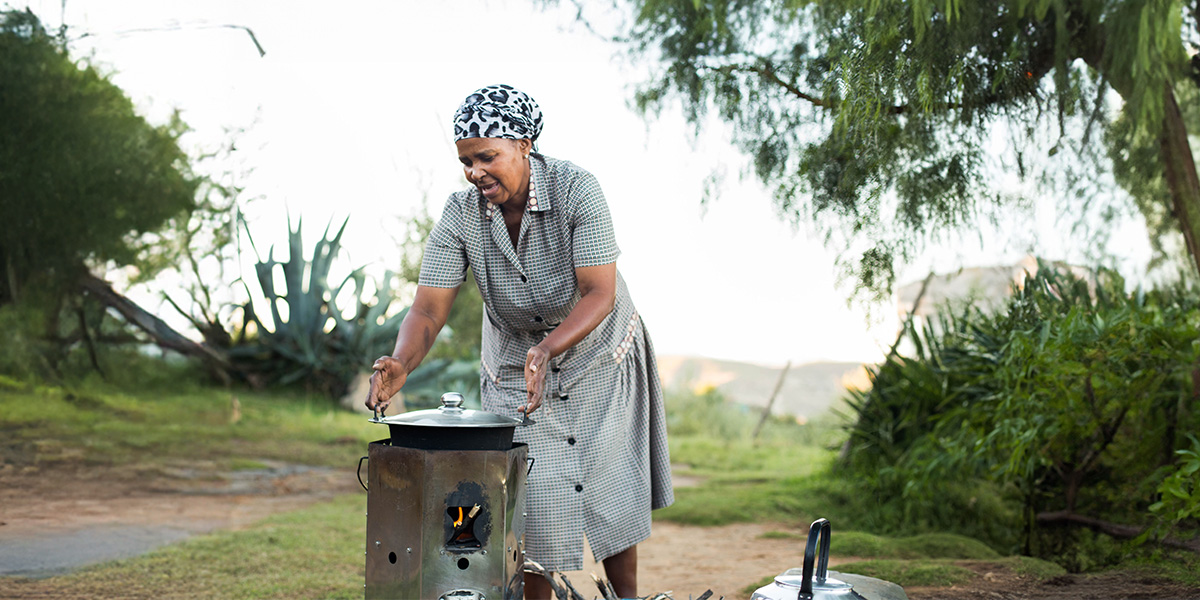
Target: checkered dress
(600, 441)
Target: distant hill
(808, 390)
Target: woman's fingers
(536, 361)
(388, 378)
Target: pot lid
(449, 414)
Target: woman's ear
(524, 146)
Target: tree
(82, 176)
(875, 119)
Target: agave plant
(310, 340)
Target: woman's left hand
(537, 360)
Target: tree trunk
(771, 402)
(156, 328)
(1180, 170)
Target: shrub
(1066, 401)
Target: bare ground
(682, 559)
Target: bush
(1068, 400)
(23, 349)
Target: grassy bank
(158, 425)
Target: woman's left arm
(598, 294)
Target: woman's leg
(537, 588)
(621, 569)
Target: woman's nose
(477, 174)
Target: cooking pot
(811, 583)
(451, 427)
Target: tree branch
(1116, 530)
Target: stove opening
(462, 535)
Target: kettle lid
(828, 586)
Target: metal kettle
(809, 583)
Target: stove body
(445, 524)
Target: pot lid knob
(452, 401)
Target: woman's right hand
(386, 381)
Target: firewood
(575, 595)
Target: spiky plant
(318, 335)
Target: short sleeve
(592, 235)
(444, 264)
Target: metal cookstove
(445, 524)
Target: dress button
(524, 279)
(571, 441)
(554, 369)
(578, 488)
(562, 397)
(538, 318)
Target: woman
(559, 331)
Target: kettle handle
(819, 531)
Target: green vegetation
(169, 419)
(1183, 567)
(313, 335)
(82, 176)
(925, 545)
(1077, 398)
(790, 476)
(878, 123)
(906, 573)
(939, 572)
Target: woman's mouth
(489, 189)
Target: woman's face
(499, 167)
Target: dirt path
(47, 519)
(52, 521)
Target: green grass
(311, 553)
(246, 464)
(1176, 565)
(908, 573)
(151, 426)
(742, 482)
(905, 573)
(926, 545)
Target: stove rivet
(483, 551)
(376, 543)
(409, 550)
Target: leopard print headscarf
(498, 111)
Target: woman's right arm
(418, 330)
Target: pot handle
(819, 531)
(359, 473)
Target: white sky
(349, 116)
